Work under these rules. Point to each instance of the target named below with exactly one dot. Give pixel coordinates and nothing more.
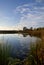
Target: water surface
(20, 44)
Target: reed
(4, 54)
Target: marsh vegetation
(34, 56)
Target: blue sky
(15, 14)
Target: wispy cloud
(31, 15)
(31, 21)
(30, 7)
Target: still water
(20, 44)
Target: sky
(16, 14)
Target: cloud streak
(31, 15)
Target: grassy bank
(35, 56)
(4, 54)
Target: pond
(20, 44)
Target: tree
(24, 28)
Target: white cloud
(31, 15)
(30, 21)
(24, 8)
(29, 8)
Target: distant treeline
(31, 28)
(39, 32)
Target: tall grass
(36, 55)
(4, 54)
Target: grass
(35, 55)
(4, 54)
